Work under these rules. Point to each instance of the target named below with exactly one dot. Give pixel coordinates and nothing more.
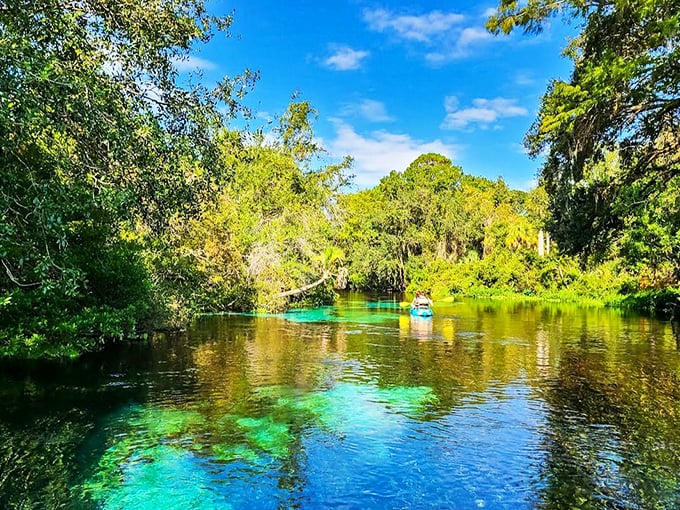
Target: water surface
(491, 405)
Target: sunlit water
(490, 405)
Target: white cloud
(192, 63)
(472, 35)
(484, 112)
(462, 46)
(265, 116)
(369, 109)
(346, 58)
(415, 28)
(491, 11)
(377, 154)
(524, 79)
(444, 34)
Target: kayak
(422, 311)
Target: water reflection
(420, 328)
(487, 404)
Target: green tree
(611, 131)
(266, 240)
(99, 150)
(409, 220)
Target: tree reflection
(613, 429)
(586, 401)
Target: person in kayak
(421, 300)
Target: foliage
(100, 149)
(126, 200)
(665, 303)
(611, 131)
(432, 213)
(267, 232)
(523, 273)
(476, 237)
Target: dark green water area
(493, 405)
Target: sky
(393, 80)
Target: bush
(110, 300)
(522, 273)
(665, 303)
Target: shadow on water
(485, 405)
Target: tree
(410, 219)
(611, 132)
(258, 245)
(100, 149)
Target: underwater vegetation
(361, 312)
(161, 457)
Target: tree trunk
(300, 290)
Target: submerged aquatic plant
(161, 477)
(348, 404)
(254, 440)
(149, 434)
(164, 455)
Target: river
(488, 404)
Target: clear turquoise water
(491, 405)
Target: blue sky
(391, 81)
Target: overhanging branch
(14, 280)
(300, 290)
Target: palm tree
(329, 262)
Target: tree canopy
(431, 215)
(611, 132)
(99, 148)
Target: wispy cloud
(378, 153)
(416, 28)
(461, 46)
(369, 109)
(445, 36)
(265, 116)
(345, 58)
(483, 113)
(524, 79)
(192, 63)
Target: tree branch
(300, 290)
(14, 280)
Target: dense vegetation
(611, 133)
(100, 152)
(434, 227)
(130, 202)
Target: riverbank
(663, 304)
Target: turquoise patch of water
(329, 314)
(159, 477)
(156, 459)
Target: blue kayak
(422, 311)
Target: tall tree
(612, 132)
(411, 217)
(99, 147)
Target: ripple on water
(304, 412)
